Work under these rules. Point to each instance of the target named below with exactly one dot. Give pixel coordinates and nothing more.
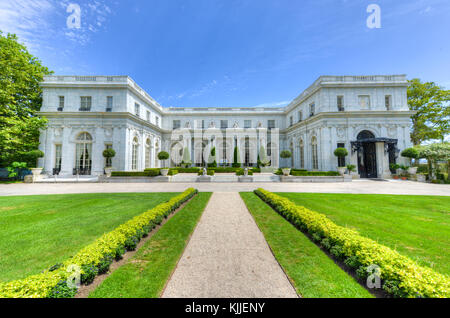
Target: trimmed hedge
(209, 172)
(240, 172)
(401, 276)
(130, 174)
(305, 173)
(95, 258)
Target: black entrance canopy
(389, 144)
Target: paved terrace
(357, 186)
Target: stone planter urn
(341, 170)
(164, 172)
(36, 172)
(412, 170)
(108, 171)
(286, 171)
(421, 178)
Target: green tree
(236, 158)
(431, 102)
(20, 100)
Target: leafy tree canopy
(20, 100)
(431, 102)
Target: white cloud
(38, 22)
(274, 104)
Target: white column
(67, 153)
(382, 161)
(97, 152)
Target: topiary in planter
(411, 153)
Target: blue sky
(234, 53)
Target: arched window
(315, 158)
(148, 152)
(134, 154)
(302, 154)
(365, 134)
(83, 153)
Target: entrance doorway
(367, 157)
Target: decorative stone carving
(392, 131)
(188, 125)
(236, 125)
(340, 132)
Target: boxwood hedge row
(95, 258)
(401, 277)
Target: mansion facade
(367, 115)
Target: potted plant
(403, 173)
(351, 168)
(411, 153)
(163, 156)
(421, 177)
(108, 154)
(286, 154)
(341, 153)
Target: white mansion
(367, 115)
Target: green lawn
(312, 272)
(40, 231)
(145, 275)
(416, 226)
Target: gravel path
(228, 256)
(357, 186)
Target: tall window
(148, 116)
(247, 151)
(109, 103)
(300, 116)
(157, 121)
(364, 101)
(302, 154)
(388, 102)
(247, 124)
(61, 103)
(312, 109)
(83, 153)
(134, 154)
(291, 121)
(58, 158)
(108, 161)
(271, 124)
(176, 124)
(340, 103)
(148, 150)
(315, 158)
(86, 103)
(223, 124)
(341, 160)
(137, 109)
(224, 146)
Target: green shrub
(209, 172)
(341, 152)
(62, 290)
(304, 173)
(361, 252)
(240, 172)
(130, 174)
(173, 172)
(285, 154)
(94, 257)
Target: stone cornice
(349, 115)
(102, 115)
